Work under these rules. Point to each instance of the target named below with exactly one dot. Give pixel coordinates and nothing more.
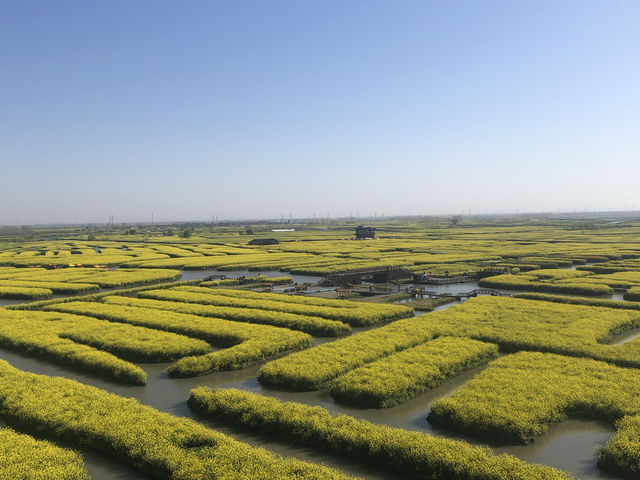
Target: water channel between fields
(186, 275)
(569, 446)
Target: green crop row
(158, 444)
(96, 296)
(402, 376)
(43, 334)
(606, 269)
(247, 343)
(613, 280)
(519, 396)
(512, 323)
(518, 267)
(411, 453)
(83, 259)
(131, 277)
(55, 287)
(555, 274)
(29, 293)
(622, 452)
(239, 261)
(37, 283)
(523, 282)
(24, 457)
(362, 315)
(44, 275)
(134, 343)
(545, 262)
(254, 279)
(313, 325)
(68, 338)
(94, 276)
(595, 302)
(174, 252)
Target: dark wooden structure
(217, 276)
(365, 233)
(382, 274)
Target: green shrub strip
(247, 344)
(522, 282)
(158, 444)
(305, 323)
(633, 294)
(254, 279)
(513, 323)
(404, 375)
(97, 296)
(24, 457)
(412, 453)
(366, 315)
(55, 287)
(517, 398)
(43, 334)
(594, 302)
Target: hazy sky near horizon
(257, 109)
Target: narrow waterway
(569, 446)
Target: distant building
(365, 233)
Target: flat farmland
(131, 372)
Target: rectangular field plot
(24, 457)
(305, 323)
(23, 282)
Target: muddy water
(568, 446)
(11, 301)
(625, 337)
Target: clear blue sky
(253, 109)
